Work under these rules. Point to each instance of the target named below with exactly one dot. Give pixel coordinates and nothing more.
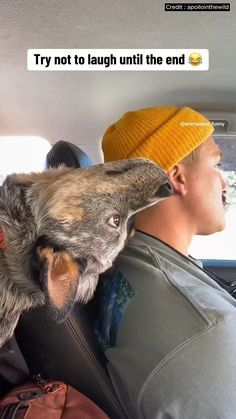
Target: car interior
(67, 112)
(73, 344)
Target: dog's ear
(58, 274)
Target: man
(167, 328)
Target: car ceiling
(78, 106)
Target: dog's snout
(165, 190)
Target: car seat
(67, 153)
(69, 351)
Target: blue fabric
(116, 295)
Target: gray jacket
(169, 333)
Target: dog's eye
(114, 221)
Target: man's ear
(58, 274)
(177, 178)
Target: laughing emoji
(195, 58)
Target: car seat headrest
(69, 154)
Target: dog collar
(2, 241)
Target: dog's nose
(165, 190)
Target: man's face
(206, 190)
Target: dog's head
(82, 218)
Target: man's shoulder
(149, 279)
(155, 302)
(147, 253)
(145, 248)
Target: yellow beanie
(165, 135)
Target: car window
(22, 154)
(222, 245)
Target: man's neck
(173, 230)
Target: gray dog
(63, 227)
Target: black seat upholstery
(69, 351)
(69, 154)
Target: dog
(63, 227)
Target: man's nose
(224, 184)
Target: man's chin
(221, 226)
(212, 229)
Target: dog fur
(64, 227)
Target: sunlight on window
(219, 245)
(22, 154)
